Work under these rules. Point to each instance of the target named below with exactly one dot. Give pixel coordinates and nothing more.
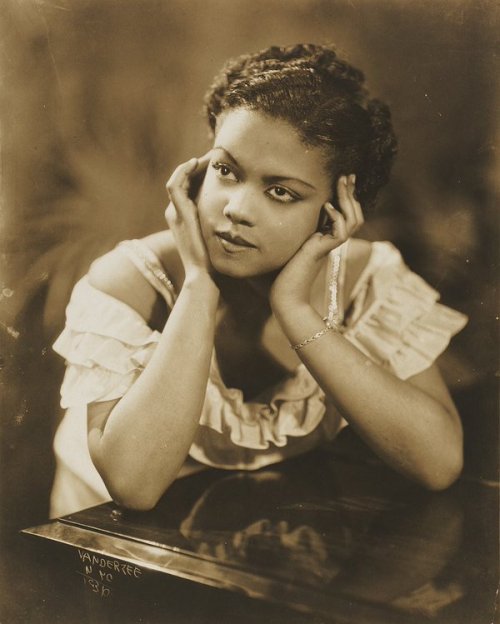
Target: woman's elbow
(134, 501)
(448, 458)
(129, 489)
(133, 497)
(446, 473)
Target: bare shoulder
(114, 274)
(357, 260)
(359, 253)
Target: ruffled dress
(393, 317)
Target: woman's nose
(239, 208)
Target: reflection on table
(351, 541)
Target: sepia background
(101, 99)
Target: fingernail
(344, 180)
(352, 178)
(329, 206)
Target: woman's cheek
(201, 195)
(285, 251)
(295, 234)
(207, 199)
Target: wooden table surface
(321, 538)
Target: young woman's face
(262, 194)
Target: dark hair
(324, 98)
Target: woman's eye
(281, 194)
(223, 171)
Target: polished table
(324, 537)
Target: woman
(258, 257)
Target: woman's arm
(139, 443)
(413, 425)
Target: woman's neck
(262, 284)
(257, 287)
(246, 299)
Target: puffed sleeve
(106, 345)
(396, 319)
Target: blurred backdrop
(101, 99)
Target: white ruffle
(82, 385)
(88, 349)
(106, 345)
(397, 321)
(93, 311)
(296, 409)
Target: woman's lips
(233, 240)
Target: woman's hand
(182, 218)
(293, 284)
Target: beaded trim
(333, 319)
(334, 313)
(153, 268)
(333, 288)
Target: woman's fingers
(180, 180)
(181, 214)
(177, 189)
(319, 244)
(358, 211)
(179, 184)
(348, 204)
(340, 229)
(202, 163)
(345, 205)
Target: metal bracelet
(328, 327)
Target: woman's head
(287, 122)
(262, 194)
(324, 99)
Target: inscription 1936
(99, 572)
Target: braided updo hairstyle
(324, 98)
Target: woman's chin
(244, 270)
(232, 265)
(234, 270)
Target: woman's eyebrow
(267, 179)
(228, 154)
(276, 179)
